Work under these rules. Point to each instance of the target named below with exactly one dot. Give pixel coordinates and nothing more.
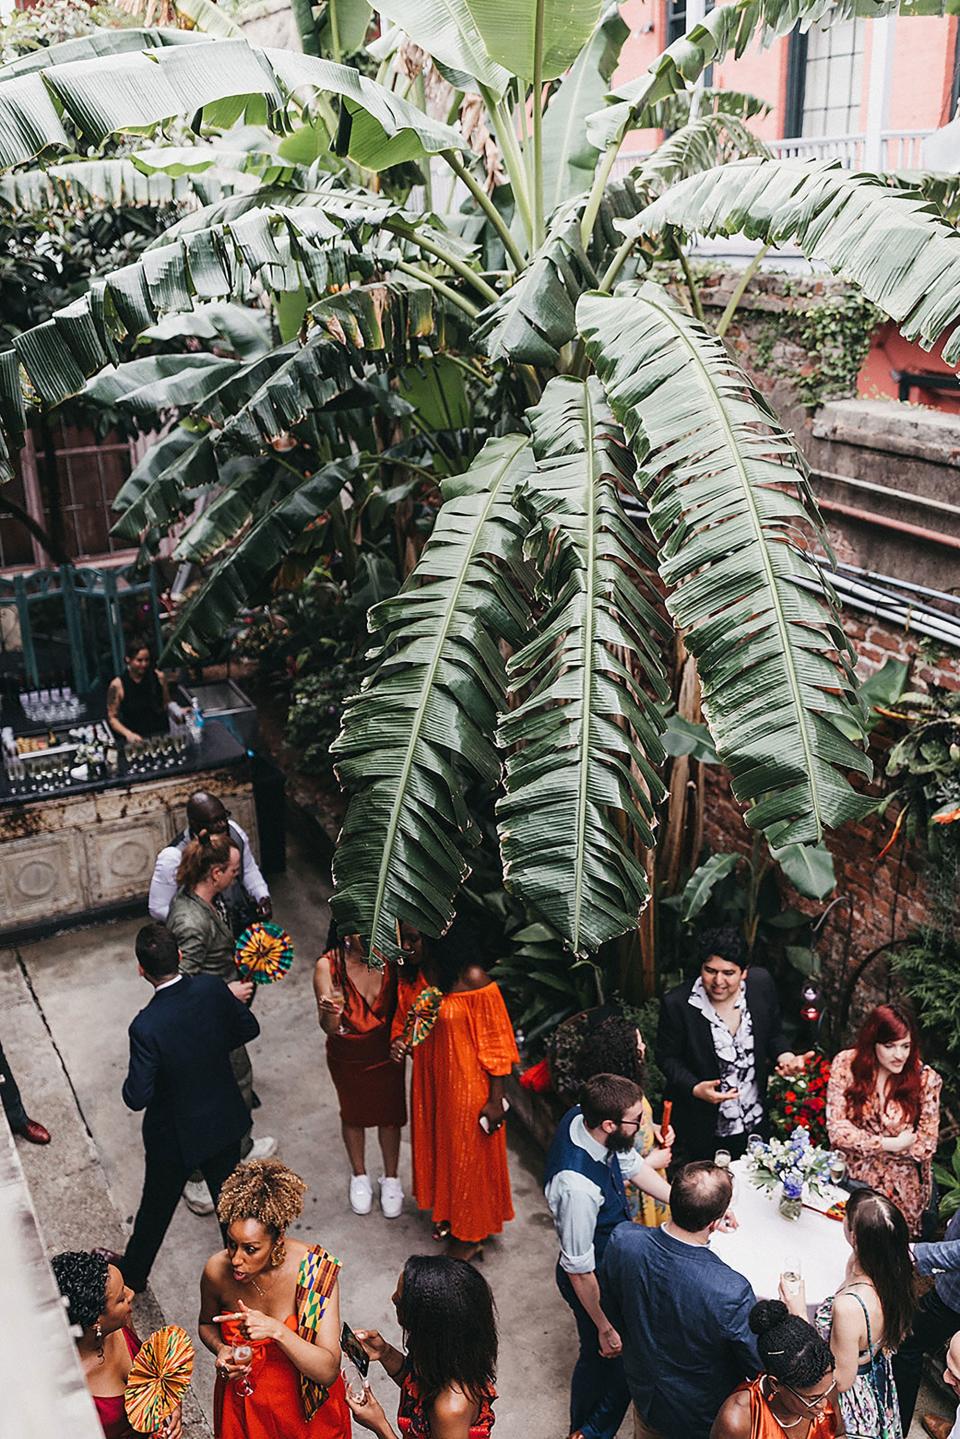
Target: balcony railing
(899, 150)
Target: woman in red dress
(463, 1049)
(356, 1003)
(278, 1298)
(446, 1377)
(100, 1305)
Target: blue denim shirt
(682, 1315)
(943, 1261)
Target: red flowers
(801, 1099)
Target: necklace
(782, 1422)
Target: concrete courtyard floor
(66, 1004)
(86, 988)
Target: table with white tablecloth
(765, 1239)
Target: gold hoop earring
(279, 1254)
(98, 1335)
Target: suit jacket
(686, 1055)
(682, 1315)
(180, 1072)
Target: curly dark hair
(449, 1320)
(791, 1350)
(726, 942)
(265, 1190)
(82, 1280)
(611, 1048)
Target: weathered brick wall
(887, 894)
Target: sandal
(441, 1230)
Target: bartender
(137, 700)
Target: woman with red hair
(883, 1111)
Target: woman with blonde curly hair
(270, 1314)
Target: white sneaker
(196, 1196)
(391, 1198)
(361, 1194)
(263, 1148)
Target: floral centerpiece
(795, 1165)
(801, 1100)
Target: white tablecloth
(757, 1249)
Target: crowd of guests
(663, 1324)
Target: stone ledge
(889, 425)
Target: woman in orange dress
(356, 1003)
(463, 1049)
(883, 1111)
(278, 1299)
(796, 1394)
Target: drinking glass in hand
(792, 1274)
(243, 1384)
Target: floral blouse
(906, 1177)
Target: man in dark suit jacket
(181, 1076)
(720, 1037)
(681, 1313)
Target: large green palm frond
(584, 734)
(420, 732)
(891, 243)
(86, 183)
(205, 619)
(731, 509)
(536, 317)
(569, 159)
(123, 88)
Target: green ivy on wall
(834, 332)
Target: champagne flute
(792, 1274)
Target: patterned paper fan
(264, 953)
(422, 1016)
(158, 1379)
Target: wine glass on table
(722, 1158)
(837, 1167)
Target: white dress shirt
(163, 885)
(575, 1200)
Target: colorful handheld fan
(158, 1379)
(422, 1016)
(264, 952)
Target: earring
(98, 1335)
(279, 1254)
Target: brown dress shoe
(33, 1132)
(936, 1427)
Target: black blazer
(180, 1071)
(686, 1055)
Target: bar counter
(78, 853)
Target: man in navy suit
(181, 1077)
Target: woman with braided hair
(99, 1305)
(796, 1394)
(280, 1298)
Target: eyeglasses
(625, 1123)
(811, 1404)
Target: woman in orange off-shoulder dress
(456, 1097)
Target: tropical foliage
(455, 319)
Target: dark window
(15, 544)
(87, 479)
(825, 81)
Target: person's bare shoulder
(475, 977)
(452, 1403)
(734, 1419)
(217, 1271)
